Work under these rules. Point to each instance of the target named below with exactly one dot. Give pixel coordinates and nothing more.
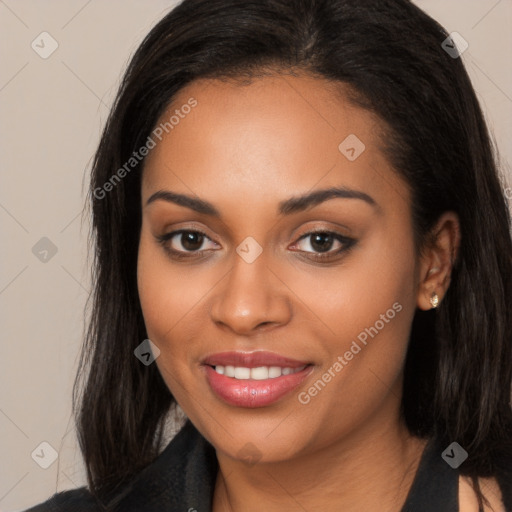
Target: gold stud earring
(434, 300)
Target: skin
(244, 149)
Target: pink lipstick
(254, 379)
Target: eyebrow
(287, 207)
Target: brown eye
(185, 241)
(324, 244)
(191, 240)
(321, 242)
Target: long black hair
(389, 55)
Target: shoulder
(77, 500)
(490, 489)
(184, 473)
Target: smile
(259, 373)
(255, 379)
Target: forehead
(277, 135)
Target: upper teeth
(260, 373)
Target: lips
(254, 379)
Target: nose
(250, 299)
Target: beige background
(51, 113)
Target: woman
(297, 203)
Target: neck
(371, 469)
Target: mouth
(255, 379)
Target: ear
(437, 259)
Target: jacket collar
(182, 479)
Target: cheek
(163, 299)
(352, 296)
(165, 302)
(382, 299)
(172, 299)
(367, 303)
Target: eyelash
(347, 244)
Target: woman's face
(247, 285)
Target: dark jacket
(182, 479)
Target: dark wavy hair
(388, 54)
